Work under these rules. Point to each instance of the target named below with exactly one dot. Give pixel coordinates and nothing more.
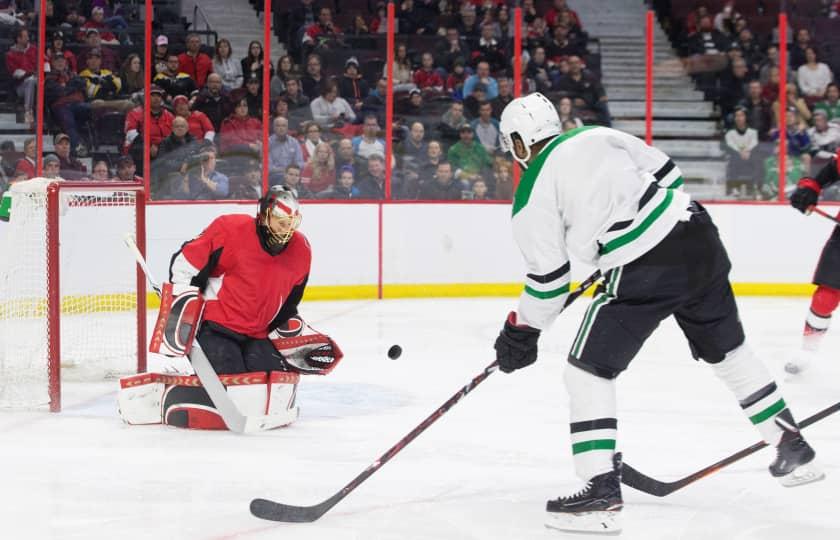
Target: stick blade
(632, 478)
(273, 511)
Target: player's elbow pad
(181, 307)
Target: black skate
(594, 509)
(795, 464)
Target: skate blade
(607, 522)
(804, 474)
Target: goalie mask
(278, 219)
(532, 118)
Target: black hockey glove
(516, 346)
(806, 195)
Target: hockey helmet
(278, 219)
(533, 118)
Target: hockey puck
(394, 352)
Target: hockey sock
(759, 397)
(593, 423)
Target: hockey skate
(594, 509)
(794, 464)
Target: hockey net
(72, 300)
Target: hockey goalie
(235, 289)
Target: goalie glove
(181, 307)
(304, 349)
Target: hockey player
(614, 202)
(826, 277)
(242, 279)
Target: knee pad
(825, 301)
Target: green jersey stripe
(629, 236)
(598, 444)
(545, 295)
(769, 412)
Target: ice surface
(483, 471)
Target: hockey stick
(234, 419)
(825, 214)
(636, 480)
(274, 511)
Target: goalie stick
(274, 511)
(234, 419)
(636, 480)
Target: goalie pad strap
(178, 318)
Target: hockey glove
(516, 346)
(806, 195)
(305, 350)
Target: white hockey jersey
(596, 193)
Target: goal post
(71, 294)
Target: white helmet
(534, 118)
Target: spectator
(26, 164)
(299, 110)
(161, 125)
(314, 80)
(368, 142)
(57, 46)
(452, 121)
(503, 176)
(798, 51)
(831, 103)
(252, 93)
(292, 180)
(71, 168)
(371, 185)
(413, 106)
(813, 77)
(324, 34)
(110, 59)
(825, 139)
(732, 89)
(426, 78)
(252, 64)
(479, 191)
(283, 151)
(343, 187)
(402, 70)
(505, 96)
(214, 101)
(285, 71)
(741, 147)
(126, 170)
(795, 101)
(559, 7)
(169, 179)
(240, 131)
(455, 80)
(311, 139)
(725, 20)
(22, 64)
(770, 89)
(206, 183)
(751, 51)
(100, 172)
(443, 186)
(468, 157)
(536, 33)
(97, 22)
(329, 110)
(379, 23)
(538, 70)
(567, 112)
(758, 111)
(451, 49)
(413, 147)
(345, 156)
(561, 45)
(249, 186)
(490, 50)
(99, 83)
(585, 90)
(195, 63)
(161, 54)
(352, 86)
(52, 167)
(707, 40)
(411, 20)
(64, 94)
(486, 127)
(482, 75)
(131, 75)
(319, 172)
(228, 69)
(375, 102)
(798, 141)
(174, 81)
(200, 127)
(771, 60)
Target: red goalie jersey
(244, 287)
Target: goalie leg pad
(178, 318)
